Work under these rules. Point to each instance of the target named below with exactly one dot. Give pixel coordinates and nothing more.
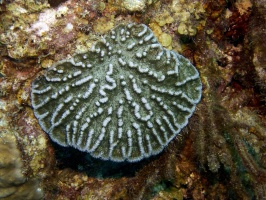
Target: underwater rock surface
(14, 184)
(125, 99)
(220, 154)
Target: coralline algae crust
(124, 100)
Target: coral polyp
(123, 100)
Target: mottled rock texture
(223, 156)
(13, 183)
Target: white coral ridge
(124, 100)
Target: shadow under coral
(69, 157)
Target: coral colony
(124, 100)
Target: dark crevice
(68, 157)
(55, 3)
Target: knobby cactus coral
(124, 100)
